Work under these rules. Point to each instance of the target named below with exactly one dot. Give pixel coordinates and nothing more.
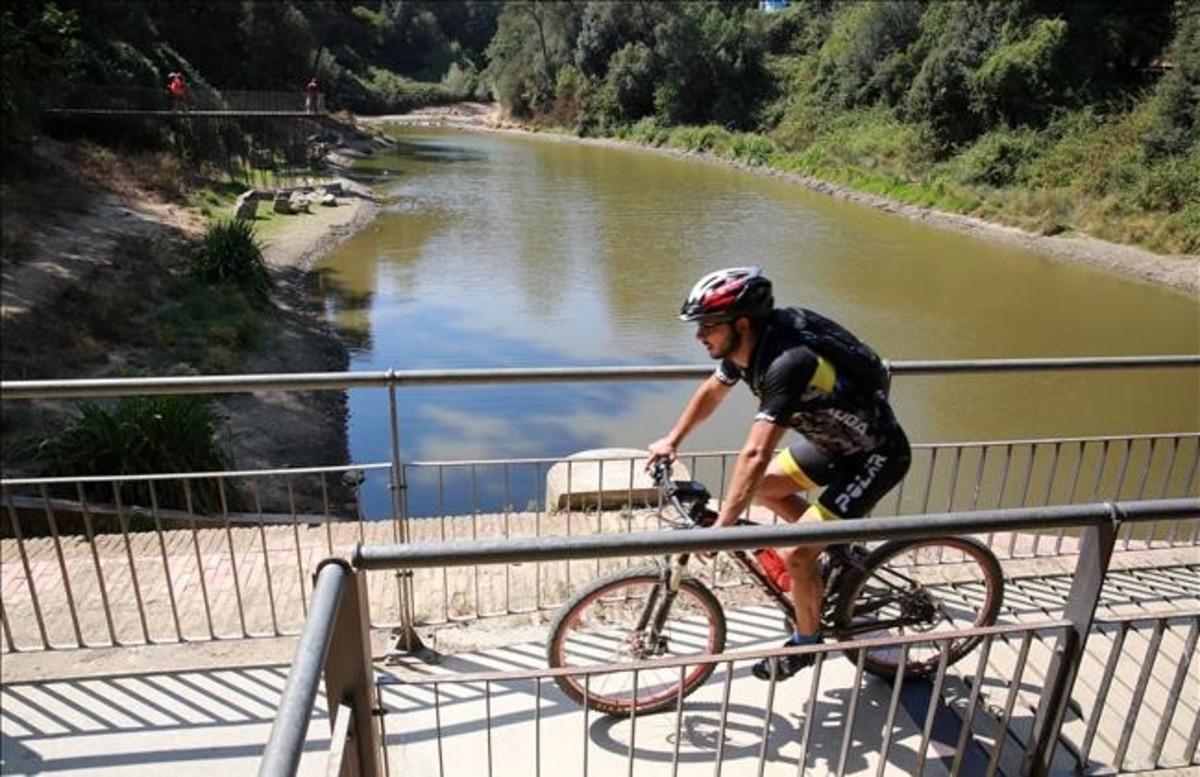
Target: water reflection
(508, 252)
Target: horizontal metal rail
(238, 473)
(436, 554)
(282, 753)
(222, 384)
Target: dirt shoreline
(1177, 273)
(63, 319)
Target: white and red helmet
(728, 294)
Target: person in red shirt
(177, 90)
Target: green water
(504, 251)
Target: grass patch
(138, 435)
(205, 328)
(698, 139)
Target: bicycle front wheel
(895, 594)
(611, 621)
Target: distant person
(177, 90)
(311, 92)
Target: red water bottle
(775, 567)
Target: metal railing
(106, 570)
(171, 575)
(142, 100)
(338, 619)
(1066, 638)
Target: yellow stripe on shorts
(793, 470)
(817, 512)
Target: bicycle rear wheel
(893, 594)
(599, 625)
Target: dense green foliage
(229, 253)
(607, 63)
(1051, 114)
(383, 55)
(139, 435)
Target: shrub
(648, 131)
(461, 81)
(751, 149)
(138, 435)
(571, 95)
(382, 91)
(1172, 184)
(698, 139)
(230, 253)
(998, 158)
(1016, 83)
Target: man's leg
(796, 469)
(778, 491)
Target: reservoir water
(515, 251)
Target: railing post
(407, 638)
(1095, 552)
(281, 756)
(349, 677)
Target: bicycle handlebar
(676, 491)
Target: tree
(1176, 128)
(1018, 82)
(533, 41)
(630, 81)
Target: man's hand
(660, 449)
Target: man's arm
(708, 396)
(751, 464)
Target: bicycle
(660, 611)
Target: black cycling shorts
(853, 484)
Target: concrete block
(604, 477)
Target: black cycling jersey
(799, 389)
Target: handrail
(282, 753)
(224, 384)
(514, 550)
(1100, 522)
(384, 465)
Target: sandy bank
(1180, 273)
(300, 240)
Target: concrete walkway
(206, 708)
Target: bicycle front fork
(658, 603)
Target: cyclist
(851, 444)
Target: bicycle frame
(690, 517)
(675, 492)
